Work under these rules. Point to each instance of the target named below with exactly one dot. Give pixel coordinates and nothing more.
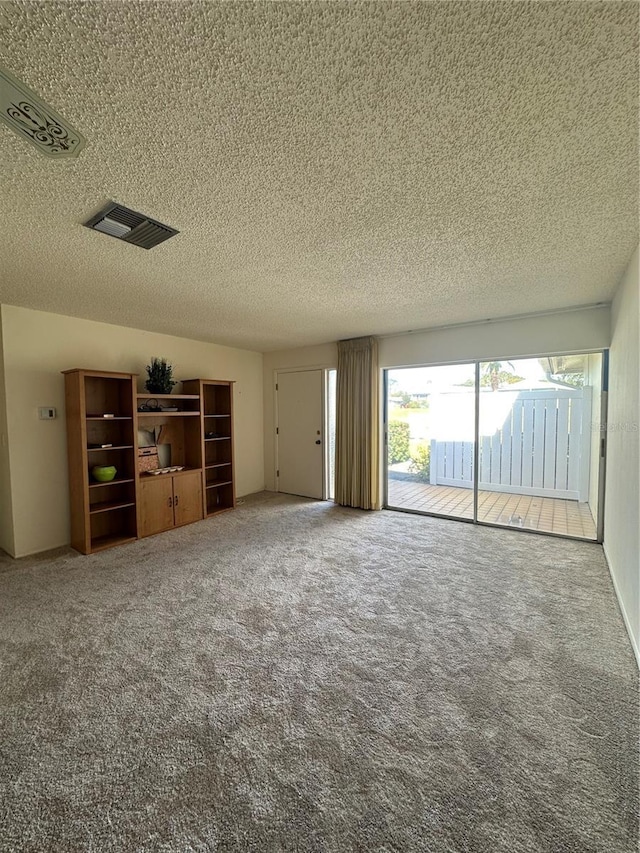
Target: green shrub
(421, 461)
(398, 441)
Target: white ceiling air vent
(28, 116)
(132, 227)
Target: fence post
(585, 444)
(433, 462)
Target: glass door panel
(330, 433)
(430, 439)
(538, 450)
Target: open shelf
(113, 526)
(162, 414)
(178, 441)
(150, 396)
(119, 496)
(108, 394)
(217, 398)
(116, 481)
(107, 506)
(118, 432)
(219, 496)
(105, 420)
(107, 449)
(147, 475)
(110, 540)
(218, 465)
(188, 405)
(218, 451)
(123, 460)
(217, 416)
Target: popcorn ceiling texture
(335, 169)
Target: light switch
(47, 413)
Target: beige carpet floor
(294, 676)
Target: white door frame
(323, 368)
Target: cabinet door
(187, 497)
(156, 504)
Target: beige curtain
(357, 424)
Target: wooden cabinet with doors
(175, 498)
(218, 469)
(169, 500)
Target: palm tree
(493, 369)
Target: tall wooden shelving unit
(102, 408)
(218, 474)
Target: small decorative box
(148, 459)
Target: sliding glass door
(430, 439)
(534, 426)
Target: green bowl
(103, 473)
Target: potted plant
(160, 373)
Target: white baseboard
(625, 618)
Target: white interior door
(300, 450)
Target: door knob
(318, 441)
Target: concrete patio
(549, 515)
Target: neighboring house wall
(622, 505)
(38, 345)
(6, 508)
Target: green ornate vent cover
(28, 116)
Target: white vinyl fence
(531, 443)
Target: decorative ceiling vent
(28, 116)
(132, 227)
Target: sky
(420, 380)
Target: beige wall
(6, 510)
(622, 505)
(38, 345)
(325, 356)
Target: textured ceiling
(334, 169)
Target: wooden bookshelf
(218, 477)
(102, 514)
(103, 427)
